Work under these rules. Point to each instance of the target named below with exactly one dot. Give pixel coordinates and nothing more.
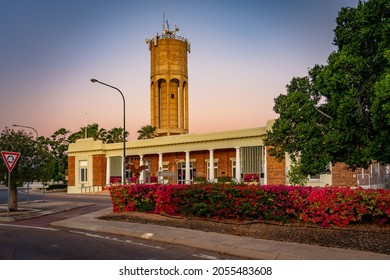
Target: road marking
(203, 256)
(147, 235)
(117, 239)
(32, 227)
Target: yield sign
(10, 159)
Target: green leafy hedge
(324, 206)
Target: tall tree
(58, 143)
(340, 112)
(381, 117)
(35, 161)
(147, 132)
(90, 131)
(115, 135)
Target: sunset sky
(243, 54)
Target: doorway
(181, 173)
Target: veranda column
(160, 166)
(238, 165)
(211, 166)
(142, 174)
(108, 171)
(265, 166)
(188, 172)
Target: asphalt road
(23, 195)
(35, 239)
(38, 243)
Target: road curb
(244, 247)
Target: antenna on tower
(168, 25)
(167, 32)
(163, 25)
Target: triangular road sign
(10, 159)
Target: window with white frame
(83, 171)
(215, 170)
(233, 168)
(146, 170)
(165, 166)
(315, 177)
(253, 160)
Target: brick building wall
(225, 167)
(222, 156)
(201, 164)
(201, 158)
(99, 163)
(276, 170)
(342, 176)
(71, 171)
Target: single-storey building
(185, 158)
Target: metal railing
(374, 180)
(89, 189)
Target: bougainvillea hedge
(324, 206)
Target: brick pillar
(276, 170)
(342, 176)
(99, 170)
(71, 171)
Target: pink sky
(243, 54)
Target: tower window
(172, 95)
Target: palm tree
(91, 131)
(95, 132)
(147, 132)
(115, 135)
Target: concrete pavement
(244, 247)
(27, 210)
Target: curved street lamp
(124, 127)
(28, 183)
(18, 125)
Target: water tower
(169, 81)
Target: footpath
(243, 247)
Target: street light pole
(18, 125)
(28, 183)
(124, 128)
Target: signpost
(10, 159)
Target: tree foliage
(295, 175)
(58, 145)
(340, 112)
(34, 164)
(114, 135)
(46, 158)
(147, 132)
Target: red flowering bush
(324, 206)
(251, 178)
(133, 180)
(133, 198)
(115, 179)
(153, 179)
(341, 206)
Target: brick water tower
(169, 81)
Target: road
(39, 243)
(35, 239)
(22, 195)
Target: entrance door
(181, 173)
